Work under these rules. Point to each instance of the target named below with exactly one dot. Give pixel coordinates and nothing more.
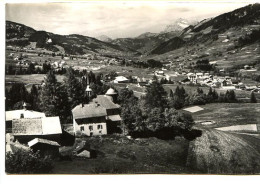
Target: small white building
(121, 79)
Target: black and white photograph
(149, 87)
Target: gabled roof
(106, 102)
(88, 111)
(16, 114)
(37, 126)
(43, 141)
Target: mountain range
(217, 36)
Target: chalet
(89, 120)
(26, 129)
(45, 147)
(19, 114)
(113, 119)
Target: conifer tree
(75, 90)
(253, 98)
(54, 98)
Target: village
(166, 90)
(100, 115)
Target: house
(18, 114)
(45, 147)
(159, 73)
(113, 119)
(247, 67)
(121, 79)
(89, 120)
(26, 129)
(142, 82)
(192, 77)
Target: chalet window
(100, 127)
(90, 127)
(91, 133)
(82, 128)
(22, 115)
(100, 131)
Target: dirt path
(218, 152)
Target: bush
(25, 162)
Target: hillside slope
(21, 35)
(217, 152)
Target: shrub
(25, 162)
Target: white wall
(87, 131)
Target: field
(227, 114)
(218, 152)
(117, 154)
(215, 152)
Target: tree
(199, 98)
(155, 120)
(253, 98)
(27, 163)
(178, 99)
(171, 94)
(54, 98)
(177, 120)
(34, 98)
(155, 96)
(74, 89)
(131, 116)
(124, 96)
(31, 68)
(230, 96)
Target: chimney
(82, 105)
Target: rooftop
(105, 101)
(16, 114)
(88, 111)
(37, 126)
(43, 141)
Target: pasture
(228, 114)
(240, 94)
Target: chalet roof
(105, 101)
(16, 114)
(88, 111)
(114, 118)
(42, 141)
(37, 126)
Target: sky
(113, 19)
